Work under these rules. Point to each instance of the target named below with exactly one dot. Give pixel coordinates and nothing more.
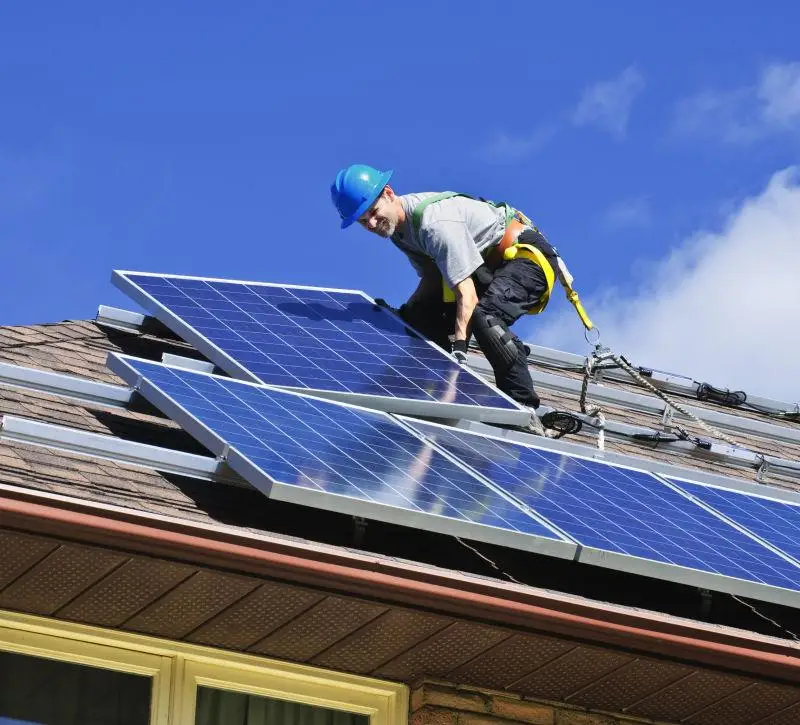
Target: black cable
(562, 422)
(731, 398)
(656, 437)
(709, 393)
(791, 415)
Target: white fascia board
(69, 386)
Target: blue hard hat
(355, 190)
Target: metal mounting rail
(119, 319)
(187, 363)
(119, 450)
(135, 323)
(625, 459)
(68, 386)
(668, 382)
(649, 404)
(739, 457)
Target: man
(496, 262)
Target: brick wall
(439, 703)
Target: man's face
(383, 216)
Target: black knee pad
(498, 343)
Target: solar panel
(776, 522)
(624, 518)
(338, 343)
(335, 456)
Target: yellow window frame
(178, 669)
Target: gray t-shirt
(452, 234)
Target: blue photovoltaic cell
(314, 444)
(776, 522)
(314, 339)
(617, 509)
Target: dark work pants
(509, 293)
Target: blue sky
(201, 138)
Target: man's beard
(385, 228)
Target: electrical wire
(489, 561)
(566, 423)
(738, 399)
(508, 576)
(731, 398)
(768, 619)
(563, 422)
(711, 394)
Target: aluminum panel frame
(516, 415)
(647, 567)
(647, 464)
(338, 503)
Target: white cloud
(779, 91)
(722, 307)
(506, 148)
(607, 104)
(744, 114)
(628, 214)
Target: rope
(658, 393)
(588, 368)
(593, 410)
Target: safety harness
(510, 249)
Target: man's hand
(380, 302)
(458, 349)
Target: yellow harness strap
(534, 255)
(572, 296)
(528, 251)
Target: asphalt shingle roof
(81, 347)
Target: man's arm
(466, 301)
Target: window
(58, 673)
(73, 669)
(221, 707)
(39, 690)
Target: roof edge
(402, 583)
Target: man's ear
(388, 192)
